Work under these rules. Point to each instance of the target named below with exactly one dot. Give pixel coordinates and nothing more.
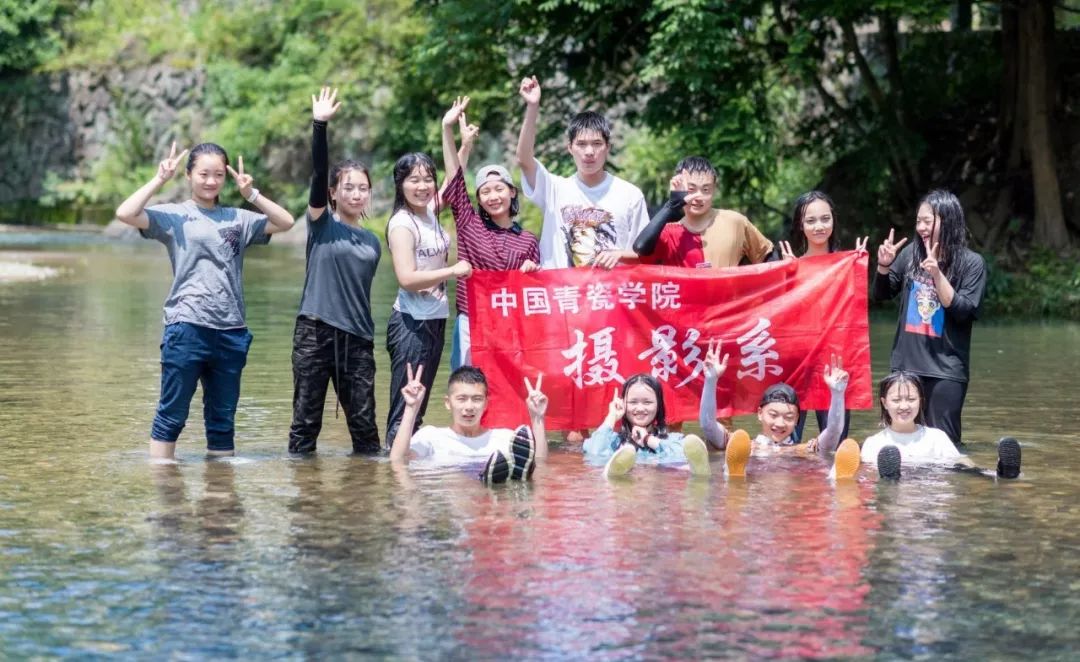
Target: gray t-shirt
(341, 263)
(206, 248)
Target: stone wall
(63, 124)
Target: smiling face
(495, 198)
(927, 225)
(590, 152)
(466, 403)
(352, 194)
(778, 420)
(207, 177)
(817, 225)
(419, 188)
(700, 187)
(641, 405)
(901, 404)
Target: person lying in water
(643, 435)
(778, 413)
(906, 440)
(511, 454)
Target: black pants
(822, 416)
(323, 353)
(419, 342)
(944, 403)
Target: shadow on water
(265, 555)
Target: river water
(268, 556)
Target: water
(265, 556)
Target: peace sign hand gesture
(469, 132)
(413, 391)
(456, 111)
(836, 378)
(887, 251)
(785, 251)
(243, 181)
(323, 107)
(930, 264)
(714, 367)
(167, 168)
(535, 399)
(860, 244)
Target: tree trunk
(1036, 88)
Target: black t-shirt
(932, 340)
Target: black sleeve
(969, 288)
(320, 175)
(672, 211)
(887, 286)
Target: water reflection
(337, 556)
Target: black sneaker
(523, 450)
(1008, 458)
(496, 470)
(888, 463)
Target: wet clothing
(206, 248)
(444, 446)
(192, 354)
(581, 221)
(205, 338)
(431, 245)
(334, 336)
(924, 445)
(725, 242)
(341, 264)
(604, 441)
(323, 353)
(415, 341)
(931, 340)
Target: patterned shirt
(482, 243)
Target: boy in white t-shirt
(592, 218)
(511, 454)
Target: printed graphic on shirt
(588, 231)
(925, 315)
(230, 237)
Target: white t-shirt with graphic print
(432, 252)
(582, 221)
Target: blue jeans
(191, 354)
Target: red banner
(588, 330)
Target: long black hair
(403, 168)
(659, 424)
(952, 240)
(901, 377)
(798, 235)
(207, 148)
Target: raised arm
(714, 433)
(133, 210)
(322, 109)
(671, 211)
(279, 219)
(537, 404)
(451, 160)
(526, 147)
(413, 393)
(887, 280)
(836, 378)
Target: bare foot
(162, 450)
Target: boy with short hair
(592, 218)
(510, 453)
(778, 413)
(688, 232)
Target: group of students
(592, 219)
